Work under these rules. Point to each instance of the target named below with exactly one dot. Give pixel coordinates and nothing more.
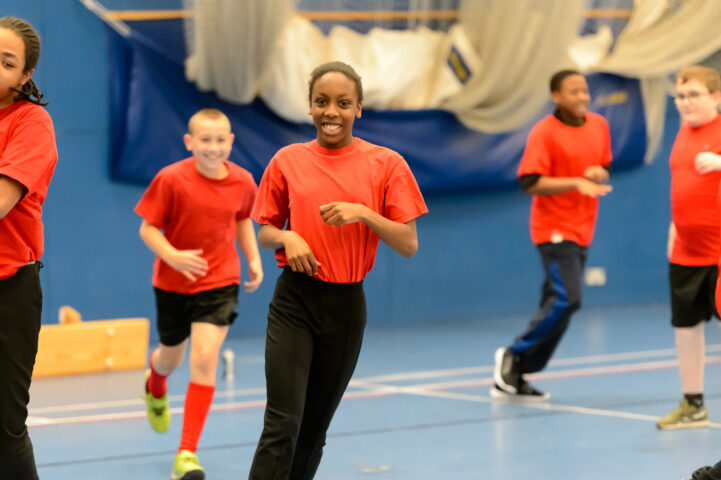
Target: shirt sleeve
(536, 156)
(156, 203)
(30, 151)
(403, 200)
(271, 203)
(250, 190)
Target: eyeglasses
(692, 97)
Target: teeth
(331, 126)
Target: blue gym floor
(417, 409)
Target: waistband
(312, 282)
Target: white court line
(453, 372)
(429, 392)
(373, 388)
(134, 402)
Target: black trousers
(560, 298)
(314, 336)
(20, 309)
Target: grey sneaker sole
(499, 394)
(681, 426)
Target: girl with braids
(27, 160)
(323, 206)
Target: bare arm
(671, 239)
(555, 185)
(401, 237)
(187, 262)
(11, 192)
(300, 257)
(245, 233)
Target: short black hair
(339, 67)
(558, 78)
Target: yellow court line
(371, 15)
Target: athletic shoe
(524, 393)
(701, 474)
(186, 467)
(157, 409)
(507, 370)
(685, 416)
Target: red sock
(197, 405)
(157, 384)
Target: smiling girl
(27, 161)
(323, 207)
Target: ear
(188, 140)
(358, 113)
(26, 76)
(556, 97)
(231, 137)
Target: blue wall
(475, 256)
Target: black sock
(694, 399)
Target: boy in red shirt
(323, 207)
(27, 161)
(694, 242)
(193, 211)
(565, 167)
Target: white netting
(490, 67)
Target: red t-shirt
(694, 208)
(197, 212)
(303, 176)
(27, 155)
(554, 149)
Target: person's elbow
(4, 210)
(409, 248)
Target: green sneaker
(685, 416)
(186, 467)
(157, 409)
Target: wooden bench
(75, 347)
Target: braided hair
(28, 91)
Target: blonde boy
(193, 212)
(694, 242)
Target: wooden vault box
(96, 346)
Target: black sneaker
(701, 474)
(507, 371)
(524, 393)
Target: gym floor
(418, 408)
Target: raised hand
(707, 162)
(342, 213)
(300, 256)
(255, 275)
(189, 263)
(592, 189)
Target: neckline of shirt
(313, 144)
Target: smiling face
(12, 64)
(211, 141)
(572, 97)
(334, 106)
(696, 105)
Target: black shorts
(693, 292)
(176, 311)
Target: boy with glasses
(694, 241)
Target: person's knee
(573, 302)
(204, 360)
(166, 359)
